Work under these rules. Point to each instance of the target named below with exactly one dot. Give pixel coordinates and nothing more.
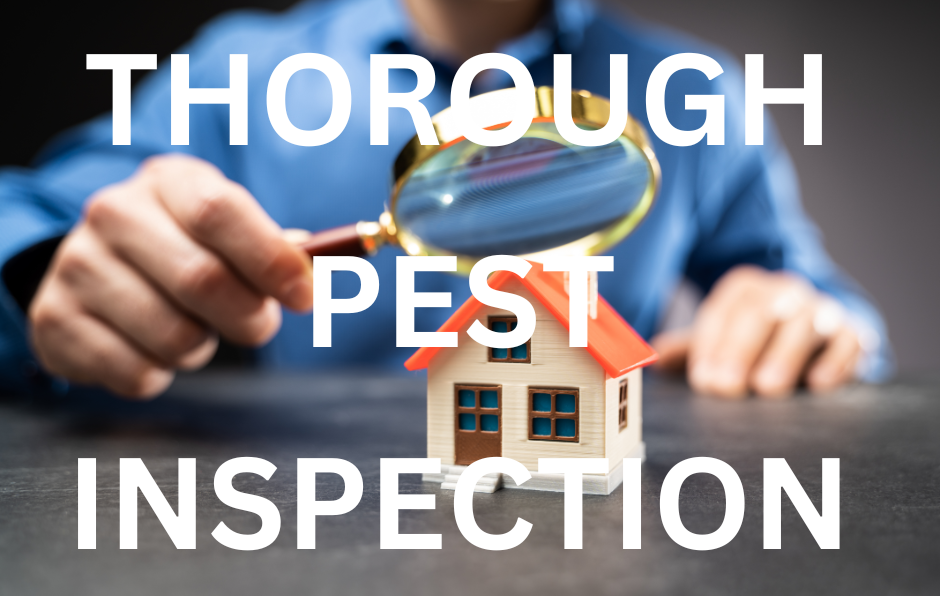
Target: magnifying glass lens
(532, 195)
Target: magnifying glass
(536, 197)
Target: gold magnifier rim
(586, 108)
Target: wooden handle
(343, 241)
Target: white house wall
(622, 442)
(554, 364)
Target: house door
(477, 424)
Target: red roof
(611, 341)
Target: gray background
(869, 186)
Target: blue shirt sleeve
(46, 201)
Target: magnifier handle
(344, 241)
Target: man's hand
(763, 331)
(162, 263)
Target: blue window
(564, 427)
(467, 421)
(553, 414)
(541, 402)
(466, 398)
(489, 399)
(516, 354)
(564, 403)
(542, 427)
(477, 409)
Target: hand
(763, 331)
(162, 264)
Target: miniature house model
(541, 399)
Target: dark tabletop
(887, 439)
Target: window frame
(554, 415)
(623, 402)
(508, 359)
(478, 408)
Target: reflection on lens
(532, 195)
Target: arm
(147, 273)
(777, 309)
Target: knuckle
(201, 277)
(755, 307)
(105, 207)
(45, 316)
(74, 260)
(210, 206)
(164, 163)
(153, 164)
(744, 275)
(747, 270)
(173, 160)
(751, 296)
(792, 282)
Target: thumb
(673, 349)
(295, 236)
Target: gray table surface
(887, 439)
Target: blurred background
(869, 186)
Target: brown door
(477, 422)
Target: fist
(160, 266)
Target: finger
(225, 217)
(81, 348)
(836, 365)
(114, 292)
(295, 236)
(673, 349)
(147, 237)
(783, 362)
(712, 316)
(201, 356)
(747, 328)
(731, 331)
(707, 329)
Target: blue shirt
(719, 206)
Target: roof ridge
(612, 342)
